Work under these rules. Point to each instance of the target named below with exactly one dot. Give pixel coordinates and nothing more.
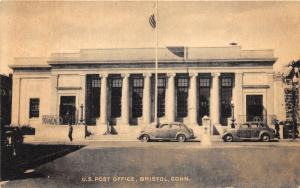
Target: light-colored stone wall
(24, 88)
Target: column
(147, 98)
(192, 100)
(215, 107)
(170, 100)
(279, 104)
(54, 107)
(103, 100)
(82, 96)
(299, 90)
(238, 98)
(16, 100)
(270, 98)
(125, 100)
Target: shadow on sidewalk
(30, 156)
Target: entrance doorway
(254, 108)
(116, 95)
(67, 106)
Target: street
(170, 164)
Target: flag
(178, 51)
(152, 21)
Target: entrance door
(67, 109)
(254, 107)
(116, 95)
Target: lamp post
(83, 122)
(232, 117)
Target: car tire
(265, 138)
(145, 138)
(228, 138)
(181, 138)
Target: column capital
(270, 73)
(103, 75)
(147, 75)
(171, 74)
(125, 75)
(193, 74)
(215, 74)
(239, 73)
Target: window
(182, 84)
(244, 126)
(161, 93)
(34, 108)
(226, 97)
(164, 126)
(116, 95)
(137, 97)
(204, 83)
(175, 126)
(92, 98)
(254, 126)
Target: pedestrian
(70, 133)
(277, 128)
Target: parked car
(250, 131)
(167, 131)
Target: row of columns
(170, 98)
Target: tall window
(34, 107)
(161, 93)
(137, 97)
(204, 83)
(226, 97)
(92, 98)
(182, 84)
(116, 95)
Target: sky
(37, 29)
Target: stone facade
(205, 81)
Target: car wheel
(181, 138)
(265, 138)
(145, 138)
(228, 138)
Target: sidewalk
(119, 138)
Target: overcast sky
(30, 29)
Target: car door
(255, 129)
(174, 129)
(163, 131)
(244, 131)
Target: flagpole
(156, 64)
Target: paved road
(171, 164)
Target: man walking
(277, 128)
(70, 133)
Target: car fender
(151, 136)
(180, 132)
(232, 133)
(266, 132)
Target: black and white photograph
(153, 93)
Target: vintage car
(166, 131)
(250, 131)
